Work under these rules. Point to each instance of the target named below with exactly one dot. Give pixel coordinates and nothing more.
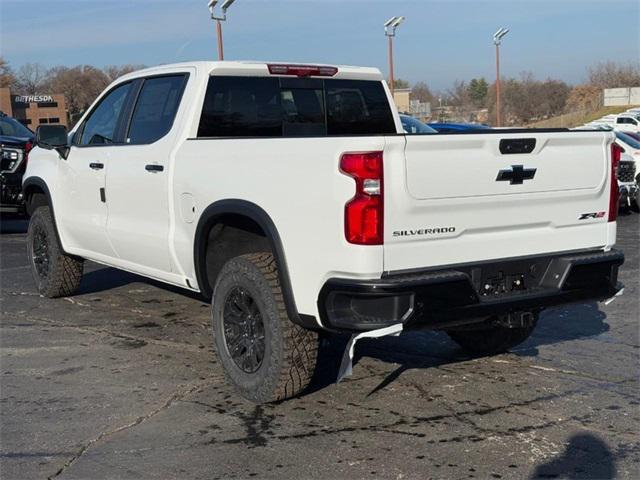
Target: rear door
(470, 197)
(138, 178)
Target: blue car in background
(457, 127)
(413, 126)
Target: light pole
(497, 40)
(220, 18)
(390, 31)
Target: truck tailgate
(452, 199)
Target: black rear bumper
(465, 293)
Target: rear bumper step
(469, 292)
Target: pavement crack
(176, 396)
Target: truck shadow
(108, 278)
(428, 349)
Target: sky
(441, 41)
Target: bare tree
(399, 83)
(114, 72)
(421, 91)
(584, 98)
(7, 78)
(613, 75)
(32, 78)
(527, 99)
(80, 86)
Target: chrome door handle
(152, 167)
(96, 166)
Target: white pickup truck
(289, 195)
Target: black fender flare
(262, 218)
(42, 185)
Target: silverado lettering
(423, 231)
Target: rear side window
(241, 107)
(155, 109)
(294, 107)
(357, 107)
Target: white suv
(628, 123)
(290, 196)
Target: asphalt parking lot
(120, 382)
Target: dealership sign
(32, 99)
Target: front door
(83, 217)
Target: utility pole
(497, 40)
(219, 19)
(390, 31)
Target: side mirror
(53, 137)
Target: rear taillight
(364, 213)
(302, 70)
(614, 194)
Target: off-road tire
(290, 351)
(61, 277)
(491, 340)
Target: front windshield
(413, 126)
(13, 128)
(632, 142)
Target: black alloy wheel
(243, 330)
(40, 252)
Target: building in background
(409, 106)
(34, 110)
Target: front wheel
(492, 340)
(263, 353)
(55, 273)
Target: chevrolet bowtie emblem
(516, 175)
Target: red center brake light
(302, 70)
(614, 194)
(364, 213)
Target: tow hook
(516, 320)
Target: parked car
(291, 197)
(635, 136)
(628, 172)
(628, 183)
(15, 142)
(629, 145)
(414, 126)
(628, 123)
(458, 127)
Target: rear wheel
(493, 339)
(263, 353)
(55, 273)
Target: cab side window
(155, 109)
(100, 127)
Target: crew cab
(291, 197)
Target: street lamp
(390, 31)
(220, 18)
(497, 40)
